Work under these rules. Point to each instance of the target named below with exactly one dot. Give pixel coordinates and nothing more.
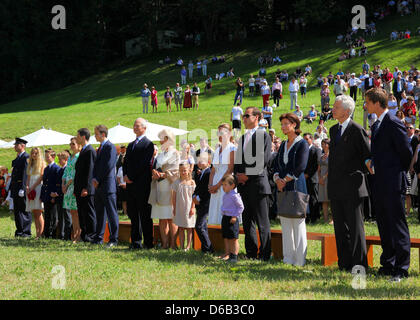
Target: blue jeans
(240, 95)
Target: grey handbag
(292, 204)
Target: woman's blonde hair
(36, 166)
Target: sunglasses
(411, 128)
(247, 115)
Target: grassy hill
(112, 97)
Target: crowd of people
(187, 189)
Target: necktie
(375, 127)
(135, 143)
(247, 138)
(338, 136)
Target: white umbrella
(42, 137)
(121, 134)
(153, 129)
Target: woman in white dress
(223, 161)
(164, 173)
(35, 171)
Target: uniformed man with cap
(23, 219)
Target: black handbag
(292, 204)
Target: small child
(201, 198)
(232, 208)
(183, 205)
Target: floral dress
(69, 200)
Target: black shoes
(233, 258)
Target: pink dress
(154, 98)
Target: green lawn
(111, 98)
(92, 272)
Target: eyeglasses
(410, 128)
(247, 115)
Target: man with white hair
(348, 163)
(138, 177)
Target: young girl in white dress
(35, 171)
(182, 204)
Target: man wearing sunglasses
(251, 159)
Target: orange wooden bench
(328, 246)
(375, 240)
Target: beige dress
(184, 194)
(160, 191)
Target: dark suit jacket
(391, 155)
(49, 182)
(346, 163)
(59, 182)
(394, 86)
(137, 164)
(19, 175)
(202, 188)
(312, 167)
(253, 162)
(84, 171)
(414, 143)
(296, 164)
(367, 86)
(104, 168)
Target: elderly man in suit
(254, 151)
(23, 219)
(138, 176)
(391, 157)
(84, 190)
(348, 163)
(105, 183)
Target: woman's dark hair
(293, 119)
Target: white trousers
(294, 241)
(204, 68)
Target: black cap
(20, 141)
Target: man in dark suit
(398, 87)
(391, 157)
(23, 219)
(311, 176)
(250, 169)
(201, 198)
(49, 191)
(138, 176)
(349, 153)
(369, 82)
(84, 190)
(105, 183)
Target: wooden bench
(328, 246)
(375, 240)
